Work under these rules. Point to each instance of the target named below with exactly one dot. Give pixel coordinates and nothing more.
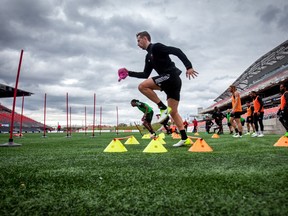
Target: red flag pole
(10, 141)
(67, 113)
(117, 120)
(94, 113)
(70, 123)
(44, 131)
(100, 125)
(85, 127)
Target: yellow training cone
(115, 146)
(160, 140)
(200, 146)
(146, 136)
(132, 140)
(155, 147)
(282, 142)
(162, 135)
(196, 134)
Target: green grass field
(73, 176)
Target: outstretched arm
(191, 72)
(146, 72)
(178, 52)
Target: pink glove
(122, 73)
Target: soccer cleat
(248, 133)
(236, 135)
(254, 135)
(164, 114)
(261, 135)
(153, 136)
(180, 143)
(187, 141)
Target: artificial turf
(57, 175)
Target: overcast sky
(76, 47)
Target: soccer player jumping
(168, 79)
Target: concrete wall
(273, 126)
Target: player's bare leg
(148, 126)
(178, 121)
(174, 113)
(147, 88)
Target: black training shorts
(236, 115)
(249, 119)
(170, 84)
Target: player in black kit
(168, 79)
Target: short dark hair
(134, 101)
(233, 87)
(144, 34)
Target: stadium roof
(263, 76)
(7, 91)
(269, 62)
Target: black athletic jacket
(158, 59)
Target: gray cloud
(77, 46)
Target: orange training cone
(115, 146)
(215, 136)
(200, 146)
(155, 147)
(176, 136)
(282, 142)
(131, 140)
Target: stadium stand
(7, 91)
(263, 76)
(28, 124)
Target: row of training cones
(156, 145)
(116, 146)
(162, 135)
(282, 142)
(178, 136)
(148, 136)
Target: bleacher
(263, 76)
(28, 124)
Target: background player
(147, 117)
